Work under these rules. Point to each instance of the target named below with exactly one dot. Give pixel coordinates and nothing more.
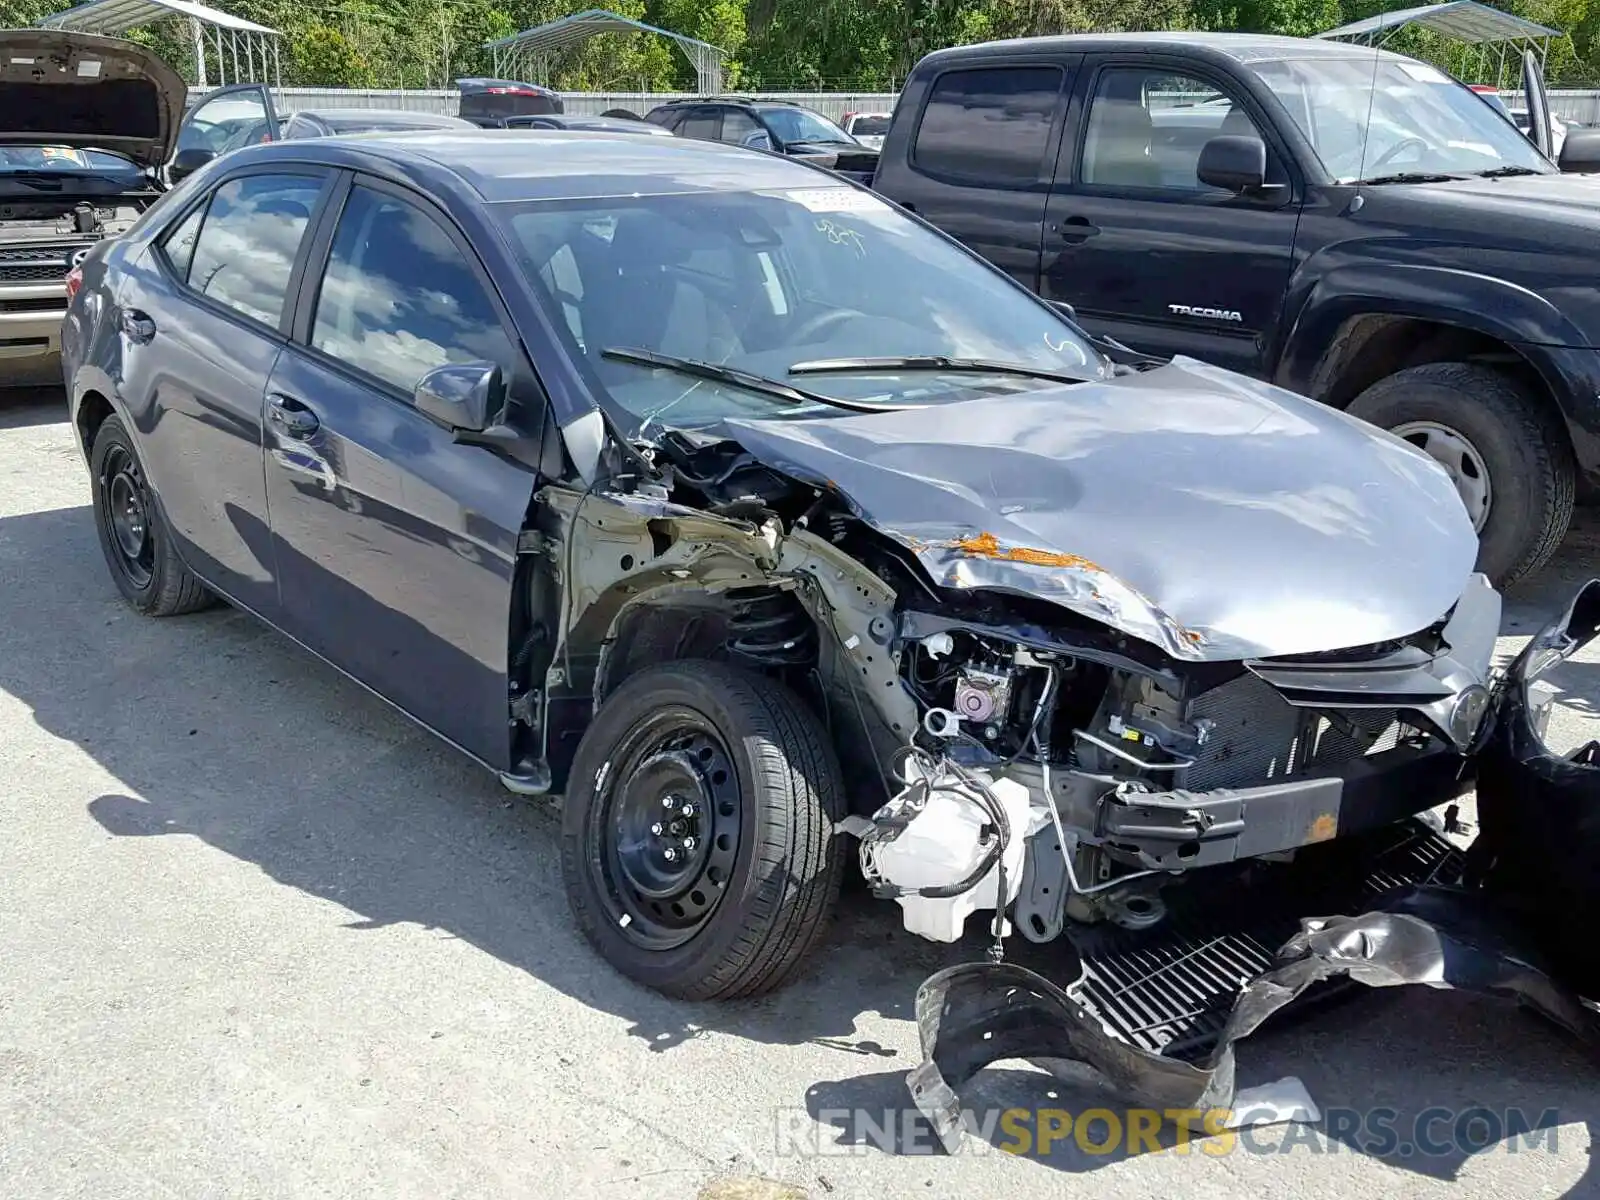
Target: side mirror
(1234, 163)
(189, 160)
(1580, 153)
(461, 395)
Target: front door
(395, 544)
(1141, 248)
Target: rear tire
(1505, 434)
(756, 868)
(134, 536)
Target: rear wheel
(1506, 454)
(133, 535)
(697, 843)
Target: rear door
(1141, 248)
(203, 317)
(980, 159)
(394, 543)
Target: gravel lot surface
(259, 936)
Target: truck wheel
(133, 535)
(1506, 455)
(697, 837)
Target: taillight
(74, 282)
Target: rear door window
(703, 123)
(248, 242)
(989, 123)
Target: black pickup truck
(1348, 223)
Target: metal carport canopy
(539, 44)
(1462, 20)
(234, 41)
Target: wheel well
(690, 626)
(1374, 346)
(93, 410)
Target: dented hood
(1215, 516)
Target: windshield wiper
(930, 362)
(1503, 172)
(1411, 177)
(721, 373)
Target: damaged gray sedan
(771, 528)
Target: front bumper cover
(1518, 924)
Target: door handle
(136, 325)
(290, 417)
(1075, 229)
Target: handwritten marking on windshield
(842, 235)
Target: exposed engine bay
(1023, 731)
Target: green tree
(323, 57)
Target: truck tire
(1506, 453)
(134, 536)
(697, 843)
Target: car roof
(501, 165)
(1241, 47)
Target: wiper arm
(1410, 177)
(1503, 172)
(930, 362)
(721, 373)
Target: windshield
(1421, 120)
(762, 281)
(870, 126)
(803, 125)
(64, 159)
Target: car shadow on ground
(219, 729)
(23, 408)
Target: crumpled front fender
(1521, 928)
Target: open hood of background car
(89, 93)
(1215, 516)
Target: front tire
(133, 534)
(1505, 452)
(697, 842)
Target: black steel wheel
(698, 842)
(668, 828)
(126, 514)
(133, 535)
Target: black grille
(36, 264)
(1170, 989)
(32, 274)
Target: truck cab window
(1147, 128)
(990, 124)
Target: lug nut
(670, 802)
(688, 843)
(670, 854)
(655, 830)
(687, 810)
